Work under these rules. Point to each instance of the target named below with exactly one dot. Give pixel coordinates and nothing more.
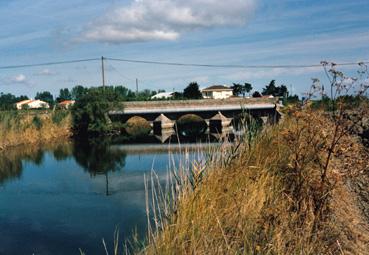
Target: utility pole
(103, 72)
(136, 86)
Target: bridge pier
(219, 123)
(162, 124)
(165, 135)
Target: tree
(247, 87)
(256, 94)
(45, 96)
(7, 101)
(270, 89)
(64, 94)
(192, 91)
(237, 89)
(277, 91)
(90, 112)
(78, 91)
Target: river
(59, 197)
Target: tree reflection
(96, 157)
(11, 161)
(63, 151)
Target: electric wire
(49, 63)
(178, 64)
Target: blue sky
(247, 32)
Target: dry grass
(266, 198)
(30, 127)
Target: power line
(119, 73)
(50, 63)
(178, 64)
(230, 66)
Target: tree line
(8, 100)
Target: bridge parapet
(194, 105)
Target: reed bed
(29, 127)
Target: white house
(163, 95)
(217, 92)
(32, 104)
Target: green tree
(64, 94)
(45, 96)
(192, 91)
(7, 101)
(256, 94)
(78, 91)
(277, 91)
(237, 89)
(90, 112)
(270, 89)
(247, 87)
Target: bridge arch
(191, 125)
(137, 126)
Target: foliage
(277, 91)
(256, 94)
(90, 112)
(239, 89)
(192, 91)
(45, 96)
(7, 101)
(37, 122)
(78, 91)
(292, 100)
(64, 94)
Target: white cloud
(147, 20)
(46, 72)
(20, 78)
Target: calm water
(64, 196)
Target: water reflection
(53, 197)
(96, 157)
(11, 165)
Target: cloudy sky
(234, 32)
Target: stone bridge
(218, 114)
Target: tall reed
(27, 127)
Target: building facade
(217, 92)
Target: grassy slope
(265, 201)
(17, 128)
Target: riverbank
(32, 127)
(273, 195)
